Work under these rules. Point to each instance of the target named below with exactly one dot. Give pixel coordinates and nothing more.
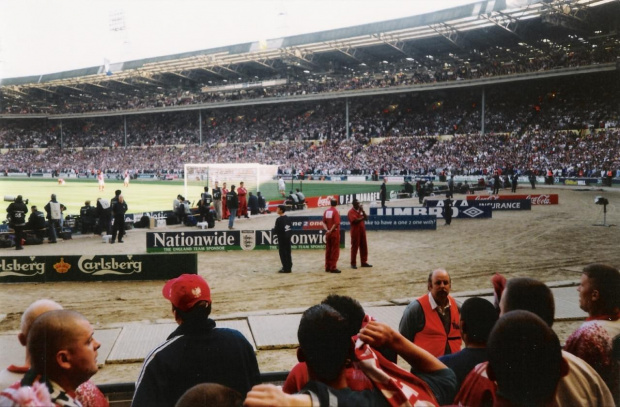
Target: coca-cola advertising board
(320, 201)
(311, 202)
(537, 199)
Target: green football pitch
(147, 196)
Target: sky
(38, 37)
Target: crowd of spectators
(565, 153)
(569, 128)
(511, 355)
(494, 61)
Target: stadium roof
(453, 33)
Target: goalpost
(197, 176)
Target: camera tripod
(604, 218)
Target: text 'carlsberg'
(15, 266)
(88, 265)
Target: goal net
(198, 176)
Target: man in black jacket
(383, 193)
(447, 209)
(283, 230)
(253, 204)
(118, 211)
(87, 215)
(36, 222)
(17, 219)
(232, 204)
(204, 205)
(262, 204)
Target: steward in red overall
(357, 216)
(331, 225)
(243, 202)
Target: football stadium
(481, 140)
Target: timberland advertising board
(200, 241)
(40, 269)
(471, 212)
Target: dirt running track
(549, 243)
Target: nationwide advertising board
(421, 222)
(537, 199)
(307, 222)
(496, 205)
(40, 269)
(471, 212)
(199, 241)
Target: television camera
(601, 200)
(11, 198)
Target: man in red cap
(196, 352)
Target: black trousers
(284, 248)
(104, 225)
(19, 232)
(118, 229)
(87, 226)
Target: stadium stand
(477, 87)
(465, 91)
(555, 124)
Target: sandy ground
(549, 243)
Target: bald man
(87, 393)
(13, 373)
(432, 320)
(63, 351)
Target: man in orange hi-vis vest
(432, 320)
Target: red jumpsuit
(358, 236)
(331, 219)
(243, 202)
(225, 213)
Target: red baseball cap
(186, 290)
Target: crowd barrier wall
(41, 269)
